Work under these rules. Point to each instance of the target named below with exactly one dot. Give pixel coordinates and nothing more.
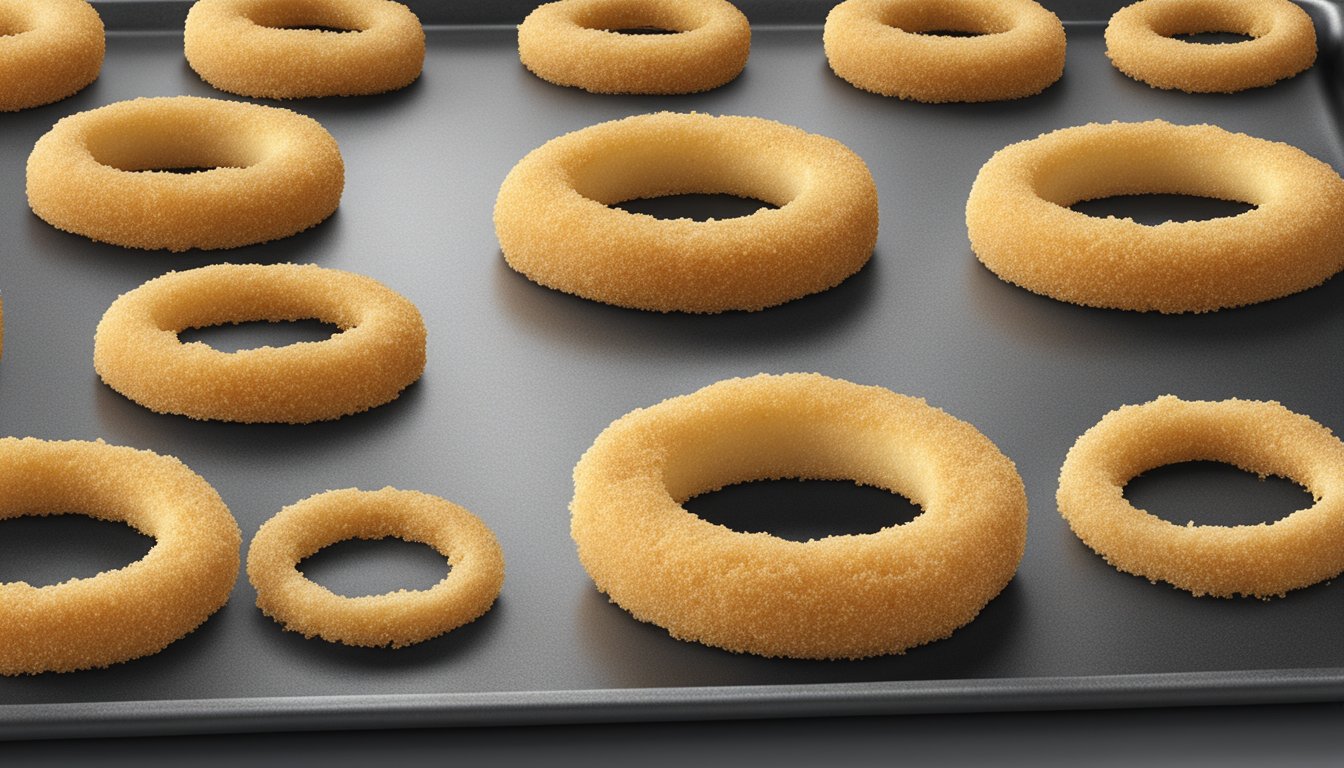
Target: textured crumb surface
(128, 612)
(273, 173)
(1139, 43)
(879, 46)
(261, 48)
(1021, 227)
(396, 619)
(574, 43)
(836, 597)
(49, 50)
(379, 351)
(1265, 438)
(555, 226)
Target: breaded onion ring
(836, 597)
(129, 612)
(1021, 227)
(49, 50)
(273, 173)
(555, 225)
(379, 352)
(1139, 43)
(1263, 560)
(396, 619)
(575, 42)
(893, 47)
(262, 48)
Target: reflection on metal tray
(521, 379)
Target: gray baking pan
(521, 379)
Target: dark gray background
(520, 379)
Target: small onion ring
(877, 45)
(259, 48)
(1139, 43)
(396, 619)
(380, 351)
(836, 597)
(574, 43)
(1020, 225)
(129, 612)
(273, 173)
(554, 224)
(1263, 560)
(49, 50)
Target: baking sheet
(520, 380)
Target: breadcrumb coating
(272, 173)
(575, 43)
(1139, 43)
(379, 351)
(266, 48)
(129, 612)
(396, 619)
(1022, 229)
(839, 597)
(1263, 560)
(892, 47)
(49, 50)
(555, 225)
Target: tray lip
(612, 705)
(165, 717)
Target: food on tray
(265, 173)
(1022, 228)
(1263, 560)
(902, 48)
(396, 619)
(555, 224)
(580, 43)
(49, 49)
(379, 351)
(836, 597)
(129, 612)
(292, 49)
(1140, 43)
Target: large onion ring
(891, 47)
(555, 226)
(49, 50)
(129, 612)
(1021, 227)
(273, 173)
(396, 619)
(379, 352)
(263, 48)
(1264, 560)
(574, 42)
(1139, 43)
(837, 597)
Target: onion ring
(836, 597)
(379, 352)
(396, 619)
(129, 612)
(260, 48)
(1263, 560)
(1139, 43)
(272, 173)
(554, 224)
(892, 47)
(49, 50)
(575, 43)
(1020, 225)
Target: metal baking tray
(521, 379)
